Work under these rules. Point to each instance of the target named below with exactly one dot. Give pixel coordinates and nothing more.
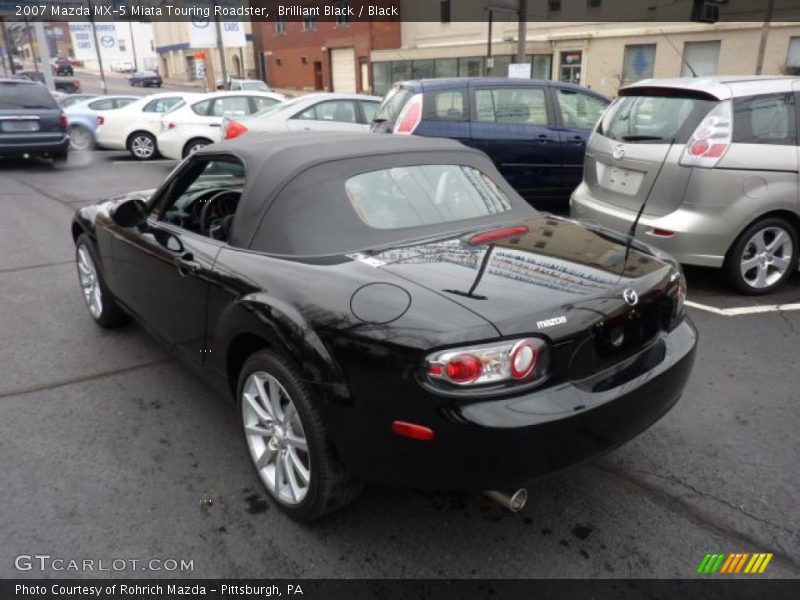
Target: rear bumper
(59, 146)
(700, 238)
(170, 144)
(507, 443)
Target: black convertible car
(388, 309)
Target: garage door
(343, 67)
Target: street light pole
(133, 48)
(221, 49)
(522, 30)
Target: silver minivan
(712, 165)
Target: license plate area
(620, 180)
(19, 126)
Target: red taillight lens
(62, 121)
(711, 139)
(523, 360)
(413, 431)
(410, 116)
(234, 129)
(464, 368)
(100, 119)
(662, 232)
(487, 237)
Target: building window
(280, 26)
(381, 77)
(793, 57)
(121, 44)
(638, 62)
(554, 5)
(542, 66)
(342, 18)
(571, 66)
(444, 7)
(594, 3)
(471, 67)
(309, 24)
(700, 58)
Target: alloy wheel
(80, 138)
(275, 438)
(143, 147)
(90, 284)
(766, 257)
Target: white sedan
(199, 123)
(314, 112)
(135, 127)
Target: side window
(260, 102)
(120, 102)
(579, 110)
(106, 104)
(236, 106)
(515, 106)
(152, 106)
(767, 119)
(369, 108)
(445, 106)
(201, 108)
(339, 111)
(204, 198)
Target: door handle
(186, 265)
(215, 124)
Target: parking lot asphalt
(111, 449)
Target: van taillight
(410, 116)
(711, 139)
(62, 121)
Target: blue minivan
(534, 130)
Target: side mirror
(130, 213)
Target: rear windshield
(392, 104)
(25, 95)
(423, 195)
(654, 119)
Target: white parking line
(744, 310)
(141, 162)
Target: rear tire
(142, 145)
(101, 303)
(762, 257)
(279, 416)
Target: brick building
(319, 54)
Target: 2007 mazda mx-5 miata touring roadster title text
(387, 309)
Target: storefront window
(500, 68)
(422, 69)
(446, 67)
(471, 67)
(401, 70)
(571, 66)
(541, 66)
(381, 77)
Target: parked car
(84, 117)
(199, 123)
(535, 131)
(17, 63)
(62, 66)
(145, 79)
(387, 309)
(715, 160)
(135, 127)
(253, 85)
(67, 100)
(313, 112)
(31, 121)
(67, 85)
(124, 66)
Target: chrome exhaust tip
(514, 501)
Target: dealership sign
(203, 33)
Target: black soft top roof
(274, 161)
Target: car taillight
(62, 121)
(100, 119)
(522, 360)
(233, 129)
(487, 237)
(410, 117)
(711, 139)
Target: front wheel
(101, 304)
(763, 257)
(286, 440)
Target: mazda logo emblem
(619, 152)
(631, 297)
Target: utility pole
(522, 30)
(99, 57)
(44, 54)
(762, 46)
(30, 43)
(221, 49)
(7, 45)
(489, 59)
(133, 48)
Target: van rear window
(654, 119)
(15, 96)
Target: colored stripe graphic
(721, 562)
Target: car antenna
(635, 224)
(683, 58)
